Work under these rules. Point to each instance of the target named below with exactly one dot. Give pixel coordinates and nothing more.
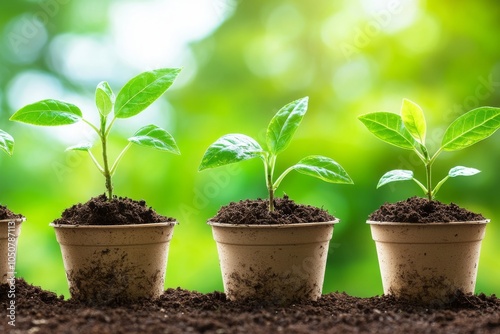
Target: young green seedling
(134, 97)
(6, 142)
(408, 131)
(233, 148)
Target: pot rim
(473, 222)
(69, 226)
(270, 226)
(16, 220)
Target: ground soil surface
(119, 211)
(256, 212)
(421, 210)
(182, 311)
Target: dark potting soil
(182, 311)
(256, 212)
(421, 210)
(5, 213)
(119, 211)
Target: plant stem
(269, 162)
(429, 180)
(271, 193)
(103, 135)
(428, 172)
(107, 174)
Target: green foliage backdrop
(242, 60)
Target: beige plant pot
(10, 229)
(116, 263)
(274, 263)
(428, 263)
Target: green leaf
(155, 137)
(470, 128)
(229, 149)
(48, 113)
(80, 147)
(284, 124)
(462, 171)
(6, 142)
(395, 175)
(323, 168)
(414, 120)
(141, 91)
(389, 128)
(104, 98)
(454, 172)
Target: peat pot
(107, 264)
(273, 263)
(9, 232)
(428, 263)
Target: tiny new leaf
(414, 120)
(104, 98)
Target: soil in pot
(182, 311)
(256, 212)
(5, 213)
(114, 251)
(421, 210)
(119, 211)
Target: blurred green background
(242, 61)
